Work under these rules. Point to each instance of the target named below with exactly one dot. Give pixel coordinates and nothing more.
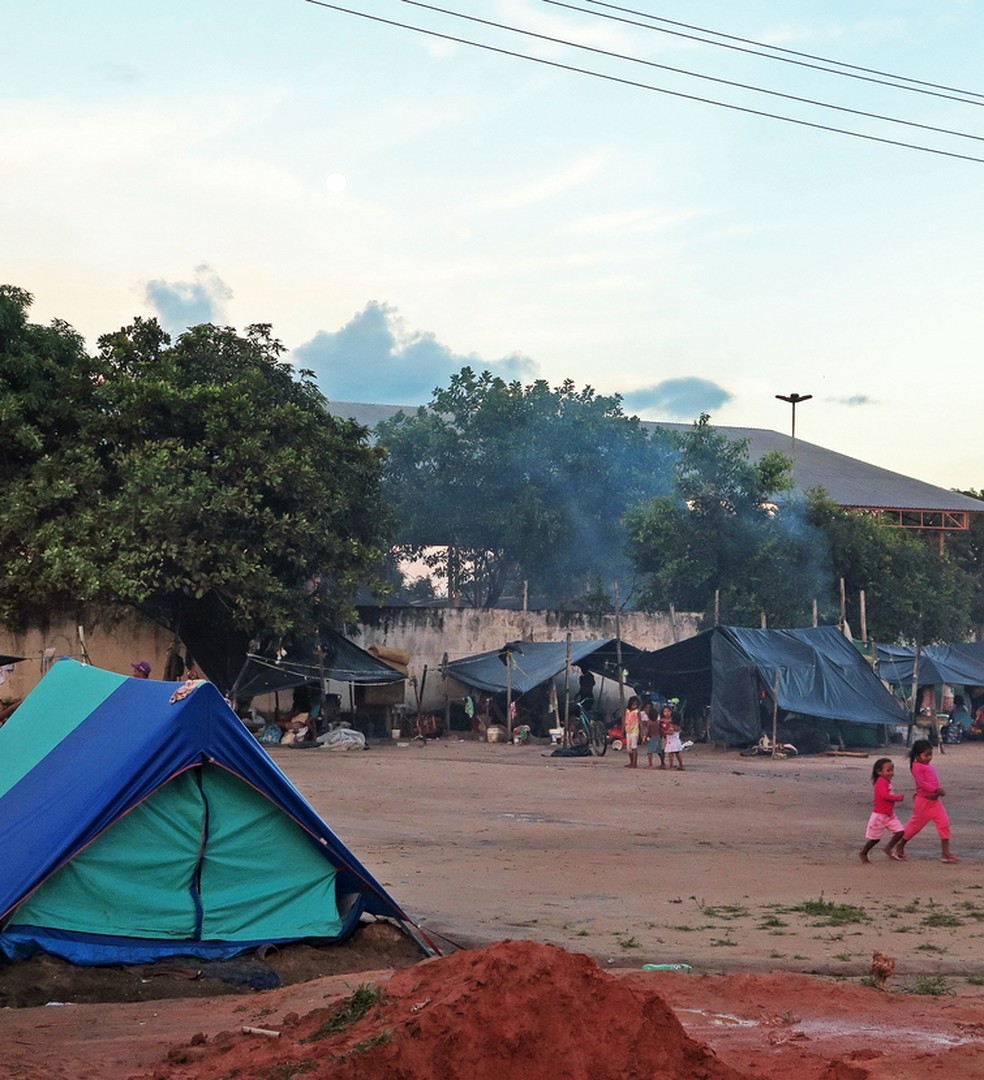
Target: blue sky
(397, 205)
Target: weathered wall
(112, 643)
(426, 634)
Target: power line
(648, 86)
(780, 49)
(692, 74)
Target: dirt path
(706, 867)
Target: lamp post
(794, 400)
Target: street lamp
(794, 400)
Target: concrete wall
(115, 642)
(427, 634)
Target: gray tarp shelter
(534, 662)
(340, 659)
(820, 674)
(959, 664)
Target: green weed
(932, 985)
(829, 913)
(350, 1011)
(942, 919)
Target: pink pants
(925, 811)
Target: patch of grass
(718, 943)
(976, 980)
(829, 913)
(351, 1010)
(910, 909)
(675, 900)
(932, 985)
(776, 955)
(583, 933)
(630, 943)
(944, 919)
(367, 1044)
(287, 1070)
(903, 929)
(930, 948)
(868, 980)
(844, 956)
(725, 911)
(771, 922)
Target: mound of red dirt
(513, 1009)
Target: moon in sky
(336, 182)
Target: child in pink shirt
(883, 813)
(926, 804)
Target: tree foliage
(498, 483)
(181, 478)
(718, 538)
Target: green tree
(498, 483)
(966, 549)
(911, 592)
(718, 534)
(201, 481)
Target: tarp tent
(340, 659)
(534, 662)
(134, 829)
(816, 672)
(962, 665)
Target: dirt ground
(744, 869)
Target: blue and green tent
(135, 829)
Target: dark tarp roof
(5, 660)
(342, 660)
(534, 662)
(960, 664)
(820, 674)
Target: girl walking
(883, 812)
(927, 803)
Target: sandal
(949, 858)
(898, 856)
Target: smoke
(374, 358)
(680, 398)
(180, 304)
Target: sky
(398, 204)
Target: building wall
(426, 634)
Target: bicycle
(583, 729)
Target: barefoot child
(631, 723)
(672, 746)
(883, 813)
(926, 803)
(654, 742)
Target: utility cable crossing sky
(487, 46)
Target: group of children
(660, 733)
(927, 805)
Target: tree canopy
(497, 483)
(197, 477)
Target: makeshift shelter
(962, 665)
(339, 659)
(814, 672)
(535, 662)
(137, 824)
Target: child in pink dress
(926, 803)
(883, 812)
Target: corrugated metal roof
(848, 481)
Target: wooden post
(763, 622)
(618, 650)
(509, 673)
(843, 606)
(447, 696)
(816, 612)
(864, 616)
(673, 624)
(567, 690)
(775, 716)
(717, 607)
(915, 689)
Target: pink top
(885, 797)
(927, 782)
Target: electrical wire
(693, 74)
(648, 86)
(775, 48)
